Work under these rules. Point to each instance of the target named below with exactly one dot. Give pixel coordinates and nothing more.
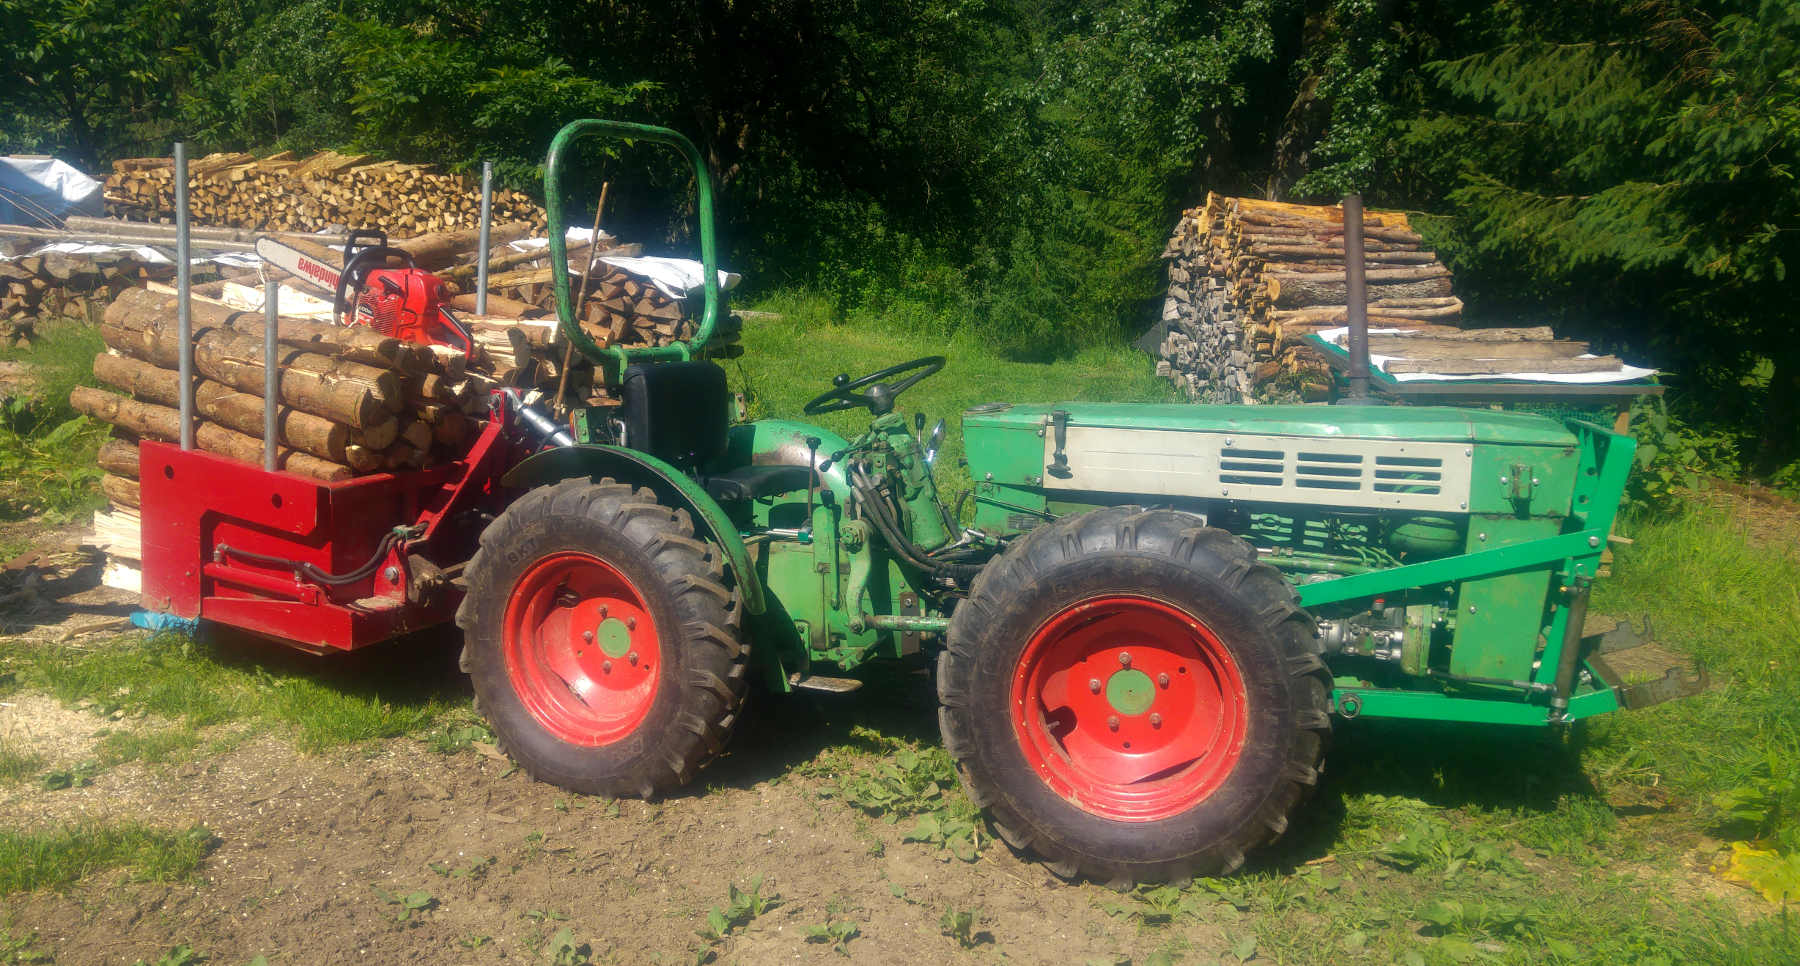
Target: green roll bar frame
(559, 245)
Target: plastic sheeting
(31, 188)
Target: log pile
(284, 193)
(1450, 351)
(56, 283)
(1250, 279)
(352, 401)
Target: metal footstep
(814, 682)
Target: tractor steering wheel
(879, 397)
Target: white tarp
(674, 277)
(1623, 374)
(144, 253)
(32, 188)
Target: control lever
(1059, 461)
(812, 484)
(833, 458)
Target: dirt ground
(305, 847)
(303, 843)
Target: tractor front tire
(1134, 697)
(603, 639)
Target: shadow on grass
(1529, 771)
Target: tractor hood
(1415, 424)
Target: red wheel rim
(581, 649)
(1129, 708)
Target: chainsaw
(406, 303)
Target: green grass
(318, 703)
(1734, 604)
(47, 450)
(17, 764)
(791, 359)
(59, 858)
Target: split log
(1312, 289)
(151, 421)
(240, 411)
(121, 491)
(119, 458)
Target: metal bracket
(1622, 637)
(1675, 683)
(1059, 461)
(910, 641)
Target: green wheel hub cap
(1130, 692)
(615, 638)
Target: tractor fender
(670, 485)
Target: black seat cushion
(750, 482)
(676, 411)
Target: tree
(1631, 166)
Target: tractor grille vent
(1349, 472)
(1346, 472)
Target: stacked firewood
(284, 193)
(1249, 280)
(1450, 351)
(34, 287)
(352, 400)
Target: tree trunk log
(121, 491)
(119, 457)
(163, 423)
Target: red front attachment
(229, 542)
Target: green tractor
(1139, 642)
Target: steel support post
(184, 284)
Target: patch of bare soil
(1770, 519)
(303, 843)
(52, 592)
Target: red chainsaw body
(406, 303)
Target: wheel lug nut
(602, 610)
(1125, 659)
(632, 657)
(588, 636)
(605, 667)
(1094, 685)
(1156, 721)
(1162, 680)
(631, 623)
(1112, 722)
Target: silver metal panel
(1373, 474)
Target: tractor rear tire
(603, 639)
(1134, 697)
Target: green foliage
(16, 763)
(180, 955)
(837, 932)
(408, 905)
(561, 949)
(1672, 459)
(57, 858)
(961, 926)
(901, 780)
(742, 907)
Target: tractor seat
(750, 482)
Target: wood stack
(1249, 279)
(56, 283)
(1449, 351)
(352, 401)
(284, 193)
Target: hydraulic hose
(890, 530)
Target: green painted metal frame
(1602, 469)
(554, 203)
(595, 460)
